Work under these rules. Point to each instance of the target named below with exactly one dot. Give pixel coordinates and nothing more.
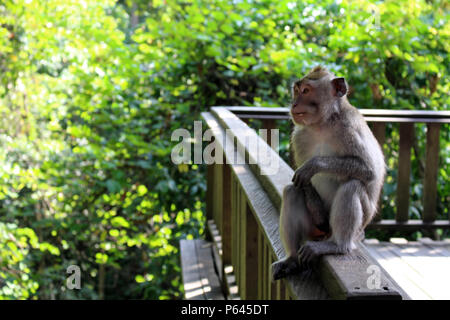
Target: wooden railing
(377, 119)
(244, 199)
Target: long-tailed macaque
(339, 176)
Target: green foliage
(91, 91)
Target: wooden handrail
(378, 118)
(371, 115)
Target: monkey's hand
(303, 175)
(311, 251)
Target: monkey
(340, 170)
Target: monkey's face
(314, 101)
(305, 107)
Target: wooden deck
(200, 277)
(421, 269)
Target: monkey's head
(316, 97)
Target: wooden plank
(405, 113)
(251, 257)
(347, 277)
(268, 279)
(287, 294)
(218, 195)
(410, 225)
(440, 247)
(423, 114)
(404, 171)
(242, 245)
(193, 288)
(209, 279)
(237, 266)
(422, 266)
(406, 120)
(233, 220)
(209, 191)
(226, 215)
(429, 265)
(275, 285)
(265, 271)
(376, 112)
(228, 279)
(260, 264)
(431, 171)
(199, 277)
(398, 269)
(245, 117)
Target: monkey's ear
(339, 87)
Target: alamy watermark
(374, 280)
(74, 280)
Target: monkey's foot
(283, 268)
(311, 251)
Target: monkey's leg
(295, 225)
(345, 220)
(316, 208)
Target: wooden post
(209, 191)
(379, 131)
(276, 293)
(234, 229)
(260, 264)
(431, 171)
(226, 216)
(269, 276)
(283, 290)
(242, 218)
(238, 233)
(251, 257)
(265, 271)
(218, 193)
(268, 124)
(404, 170)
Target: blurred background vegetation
(90, 92)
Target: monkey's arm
(350, 166)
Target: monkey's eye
(305, 90)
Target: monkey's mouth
(298, 114)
